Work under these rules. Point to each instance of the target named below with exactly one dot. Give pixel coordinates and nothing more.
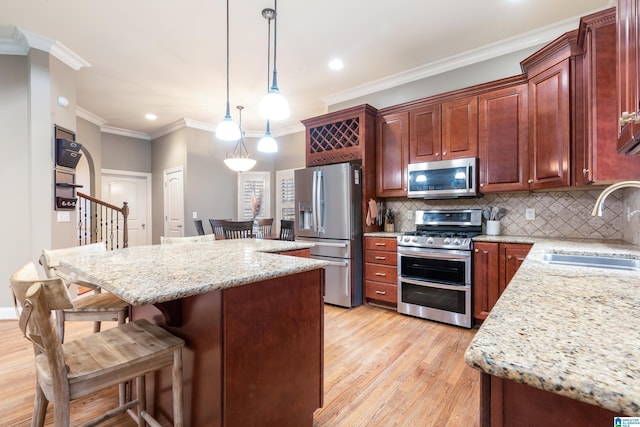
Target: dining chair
(265, 226)
(217, 225)
(96, 307)
(167, 240)
(199, 227)
(287, 229)
(84, 366)
(238, 229)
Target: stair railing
(99, 221)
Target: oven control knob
(430, 240)
(447, 240)
(406, 238)
(456, 241)
(414, 239)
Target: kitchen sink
(593, 261)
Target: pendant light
(227, 129)
(267, 144)
(240, 160)
(274, 106)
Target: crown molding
(493, 50)
(125, 132)
(18, 41)
(90, 117)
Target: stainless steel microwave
(443, 179)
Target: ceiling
(167, 57)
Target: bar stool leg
(178, 416)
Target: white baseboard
(8, 313)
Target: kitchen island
(251, 317)
(562, 344)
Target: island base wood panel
(253, 356)
(505, 403)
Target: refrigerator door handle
(331, 245)
(314, 199)
(338, 264)
(319, 212)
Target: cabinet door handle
(509, 256)
(476, 250)
(381, 274)
(437, 154)
(380, 244)
(481, 184)
(585, 171)
(444, 153)
(530, 181)
(381, 257)
(381, 292)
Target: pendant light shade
(274, 106)
(240, 160)
(267, 144)
(227, 129)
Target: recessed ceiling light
(336, 64)
(150, 116)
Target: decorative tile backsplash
(631, 216)
(564, 214)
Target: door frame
(147, 178)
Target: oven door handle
(436, 285)
(434, 255)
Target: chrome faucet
(597, 209)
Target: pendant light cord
(228, 112)
(275, 45)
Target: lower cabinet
(380, 271)
(494, 265)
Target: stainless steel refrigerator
(328, 201)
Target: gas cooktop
(444, 229)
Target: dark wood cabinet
(494, 265)
(503, 139)
(425, 142)
(460, 128)
(392, 154)
(596, 160)
(380, 271)
(628, 57)
(346, 136)
(549, 129)
(506, 403)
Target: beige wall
(126, 153)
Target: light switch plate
(63, 216)
(530, 214)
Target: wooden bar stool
(217, 225)
(97, 307)
(65, 372)
(264, 227)
(286, 230)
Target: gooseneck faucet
(597, 209)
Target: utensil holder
(389, 227)
(493, 228)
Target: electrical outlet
(195, 215)
(530, 214)
(63, 216)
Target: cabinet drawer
(381, 291)
(381, 243)
(381, 257)
(381, 273)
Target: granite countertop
(144, 275)
(389, 234)
(570, 330)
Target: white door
(135, 189)
(174, 202)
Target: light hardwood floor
(381, 369)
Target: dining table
(251, 314)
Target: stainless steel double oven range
(434, 266)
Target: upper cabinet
(425, 142)
(503, 138)
(392, 154)
(460, 128)
(596, 160)
(628, 56)
(549, 71)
